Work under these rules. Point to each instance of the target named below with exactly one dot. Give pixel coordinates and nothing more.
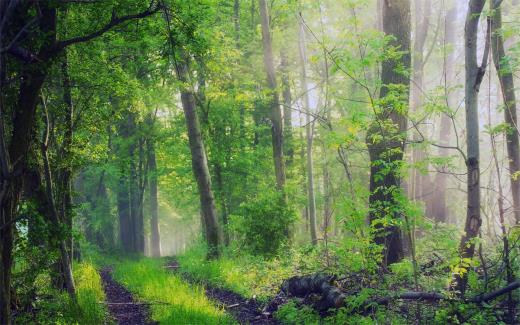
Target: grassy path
(121, 303)
(246, 311)
(172, 300)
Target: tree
(155, 239)
(473, 79)
(199, 161)
(309, 131)
(274, 103)
(439, 208)
(387, 133)
(505, 76)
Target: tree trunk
(440, 211)
(199, 162)
(505, 76)
(66, 174)
(155, 242)
(421, 183)
(387, 134)
(474, 74)
(140, 186)
(287, 107)
(124, 192)
(309, 131)
(276, 112)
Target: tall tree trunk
(309, 131)
(421, 183)
(125, 195)
(140, 187)
(440, 210)
(155, 242)
(287, 107)
(276, 112)
(66, 174)
(386, 136)
(199, 162)
(474, 75)
(505, 76)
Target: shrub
(263, 223)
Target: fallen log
(321, 284)
(332, 297)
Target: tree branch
(114, 21)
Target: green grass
(176, 302)
(57, 308)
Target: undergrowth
(250, 276)
(56, 307)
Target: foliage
(263, 222)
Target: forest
(259, 162)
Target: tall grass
(173, 301)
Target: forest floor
(244, 310)
(124, 309)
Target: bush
(263, 223)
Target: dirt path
(124, 309)
(245, 311)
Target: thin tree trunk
(390, 126)
(199, 162)
(505, 76)
(309, 131)
(155, 241)
(124, 194)
(276, 112)
(421, 183)
(66, 176)
(474, 75)
(287, 107)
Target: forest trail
(121, 304)
(245, 311)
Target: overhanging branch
(114, 21)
